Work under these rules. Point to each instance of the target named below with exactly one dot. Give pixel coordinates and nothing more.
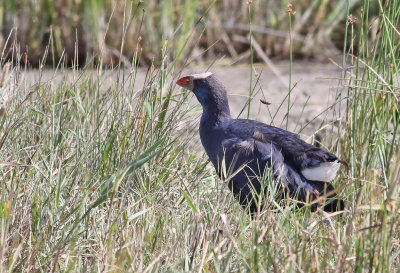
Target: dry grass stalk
(4, 100)
(98, 29)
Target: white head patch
(201, 75)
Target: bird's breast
(211, 139)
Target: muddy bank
(314, 89)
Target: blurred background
(83, 30)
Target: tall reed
(95, 28)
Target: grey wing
(300, 186)
(314, 163)
(249, 159)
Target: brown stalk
(3, 100)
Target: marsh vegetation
(108, 179)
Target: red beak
(184, 81)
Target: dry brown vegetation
(111, 29)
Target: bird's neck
(215, 114)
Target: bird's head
(194, 81)
(208, 90)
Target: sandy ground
(315, 87)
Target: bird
(246, 150)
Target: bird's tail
(317, 193)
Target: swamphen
(249, 149)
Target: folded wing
(305, 170)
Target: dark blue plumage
(249, 148)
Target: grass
(98, 172)
(95, 27)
